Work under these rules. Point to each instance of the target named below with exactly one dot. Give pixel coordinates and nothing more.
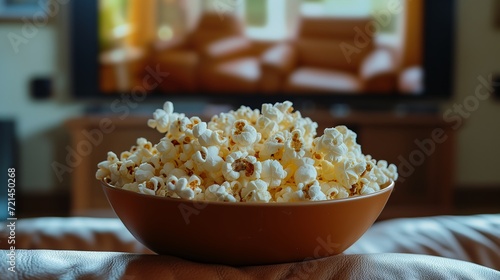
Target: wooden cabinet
(423, 147)
(119, 134)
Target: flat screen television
(260, 50)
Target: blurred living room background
(250, 47)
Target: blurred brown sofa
(212, 55)
(443, 247)
(330, 55)
(217, 57)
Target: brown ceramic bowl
(246, 233)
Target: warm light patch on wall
(165, 33)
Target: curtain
(143, 22)
(413, 34)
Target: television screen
(297, 48)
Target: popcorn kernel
(271, 155)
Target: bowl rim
(389, 188)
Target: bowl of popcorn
(248, 187)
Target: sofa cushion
(338, 43)
(238, 75)
(333, 27)
(307, 79)
(213, 26)
(179, 58)
(331, 53)
(182, 68)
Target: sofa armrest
(281, 58)
(378, 72)
(276, 64)
(173, 44)
(474, 238)
(76, 233)
(228, 48)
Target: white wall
(38, 122)
(477, 54)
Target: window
(266, 19)
(353, 8)
(387, 24)
(256, 12)
(275, 19)
(336, 8)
